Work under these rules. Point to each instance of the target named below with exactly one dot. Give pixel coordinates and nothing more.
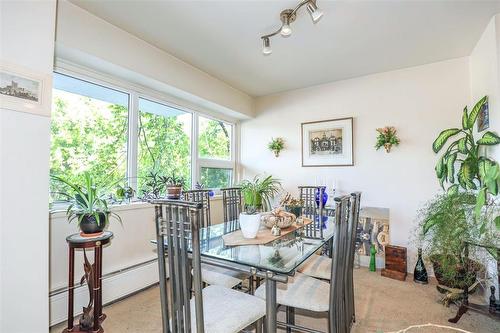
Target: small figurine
(373, 252)
(275, 230)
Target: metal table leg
(271, 317)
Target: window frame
(135, 92)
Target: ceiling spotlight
(266, 46)
(285, 29)
(314, 11)
(287, 17)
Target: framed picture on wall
(327, 143)
(24, 90)
(483, 118)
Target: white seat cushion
(227, 310)
(301, 291)
(219, 276)
(317, 266)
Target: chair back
(231, 202)
(352, 227)
(203, 197)
(312, 209)
(177, 229)
(337, 315)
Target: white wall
(418, 101)
(27, 39)
(90, 41)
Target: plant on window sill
(276, 146)
(386, 138)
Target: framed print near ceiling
(327, 143)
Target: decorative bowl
(277, 217)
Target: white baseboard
(114, 287)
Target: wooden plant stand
(92, 317)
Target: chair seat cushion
(219, 276)
(301, 291)
(227, 311)
(317, 266)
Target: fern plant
(462, 165)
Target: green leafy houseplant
(475, 171)
(88, 205)
(174, 185)
(386, 138)
(276, 146)
(258, 193)
(154, 186)
(446, 224)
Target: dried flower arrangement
(387, 137)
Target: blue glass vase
(325, 195)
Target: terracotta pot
(174, 191)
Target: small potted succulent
(88, 205)
(174, 185)
(257, 195)
(387, 138)
(276, 146)
(292, 205)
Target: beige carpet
(382, 305)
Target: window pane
(216, 177)
(88, 132)
(214, 139)
(164, 143)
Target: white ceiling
(354, 38)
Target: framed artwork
(23, 90)
(327, 143)
(483, 118)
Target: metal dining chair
(231, 203)
(203, 197)
(214, 309)
(212, 275)
(305, 292)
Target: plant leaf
(462, 146)
(440, 167)
(453, 189)
(466, 175)
(465, 119)
(450, 166)
(497, 222)
(429, 224)
(480, 201)
(475, 111)
(443, 137)
(489, 139)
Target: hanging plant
(276, 146)
(386, 138)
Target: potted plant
(174, 186)
(87, 205)
(257, 195)
(292, 205)
(154, 186)
(276, 146)
(386, 138)
(447, 223)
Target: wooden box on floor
(395, 262)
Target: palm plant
(257, 193)
(475, 171)
(87, 201)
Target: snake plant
(463, 164)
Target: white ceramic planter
(249, 225)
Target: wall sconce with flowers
(276, 146)
(387, 138)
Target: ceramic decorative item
(373, 251)
(275, 230)
(279, 218)
(324, 199)
(420, 273)
(249, 224)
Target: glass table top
(282, 255)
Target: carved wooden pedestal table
(92, 317)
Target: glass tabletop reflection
(282, 255)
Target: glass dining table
(274, 261)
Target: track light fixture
(287, 17)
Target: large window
(164, 142)
(88, 132)
(121, 135)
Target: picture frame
(327, 143)
(483, 118)
(24, 90)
